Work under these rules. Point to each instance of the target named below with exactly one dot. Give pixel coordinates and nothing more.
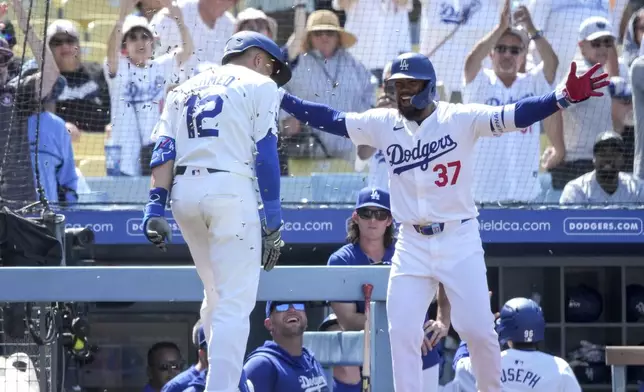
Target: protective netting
(93, 138)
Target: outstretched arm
(493, 121)
(316, 115)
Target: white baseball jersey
(208, 43)
(506, 168)
(439, 18)
(382, 29)
(431, 165)
(217, 117)
(586, 189)
(523, 371)
(560, 21)
(137, 95)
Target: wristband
(563, 99)
(273, 214)
(156, 202)
(538, 34)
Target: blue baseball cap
(373, 197)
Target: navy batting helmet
(416, 66)
(240, 42)
(521, 321)
(583, 304)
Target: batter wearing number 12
(217, 133)
(429, 150)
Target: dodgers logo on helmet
(416, 66)
(521, 320)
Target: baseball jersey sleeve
(166, 33)
(569, 382)
(267, 104)
(363, 128)
(463, 378)
(487, 120)
(572, 194)
(167, 124)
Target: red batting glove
(580, 88)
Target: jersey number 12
(207, 109)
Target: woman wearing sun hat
(327, 73)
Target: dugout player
(283, 364)
(371, 242)
(206, 140)
(429, 147)
(524, 368)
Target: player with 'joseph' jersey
(210, 130)
(429, 147)
(524, 368)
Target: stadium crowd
(108, 102)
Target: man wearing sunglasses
(503, 84)
(283, 364)
(164, 363)
(583, 123)
(371, 242)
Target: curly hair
(353, 234)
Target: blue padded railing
(150, 284)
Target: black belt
(181, 170)
(433, 228)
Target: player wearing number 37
(216, 135)
(428, 146)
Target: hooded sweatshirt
(271, 369)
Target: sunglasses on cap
(167, 366)
(365, 213)
(514, 50)
(285, 307)
(605, 42)
(59, 41)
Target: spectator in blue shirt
(56, 165)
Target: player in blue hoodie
(283, 364)
(194, 378)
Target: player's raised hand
(506, 15)
(271, 248)
(158, 231)
(580, 88)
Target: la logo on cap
(375, 195)
(403, 65)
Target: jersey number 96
(201, 114)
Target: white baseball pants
(454, 258)
(218, 217)
(430, 379)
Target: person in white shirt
(560, 21)
(521, 326)
(138, 85)
(607, 183)
(209, 23)
(516, 179)
(449, 29)
(591, 117)
(382, 28)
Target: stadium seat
(305, 166)
(100, 30)
(91, 165)
(295, 189)
(121, 189)
(86, 11)
(338, 188)
(93, 51)
(90, 144)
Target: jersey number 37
(201, 115)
